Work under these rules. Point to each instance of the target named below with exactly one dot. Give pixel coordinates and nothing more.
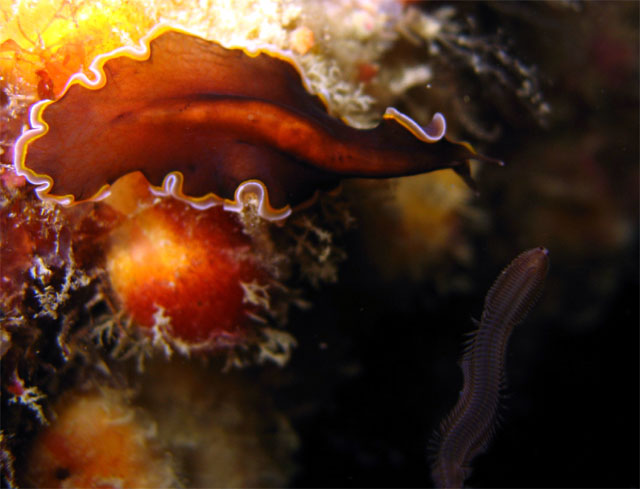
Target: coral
(96, 441)
(456, 43)
(222, 429)
(432, 218)
(185, 274)
(50, 260)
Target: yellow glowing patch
(61, 37)
(148, 245)
(430, 207)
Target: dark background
(376, 367)
(389, 374)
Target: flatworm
(212, 125)
(468, 429)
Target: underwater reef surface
(214, 347)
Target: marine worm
(467, 430)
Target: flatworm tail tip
(487, 159)
(472, 154)
(463, 169)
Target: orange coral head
(201, 122)
(96, 441)
(183, 274)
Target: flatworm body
(468, 429)
(211, 125)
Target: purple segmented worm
(468, 428)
